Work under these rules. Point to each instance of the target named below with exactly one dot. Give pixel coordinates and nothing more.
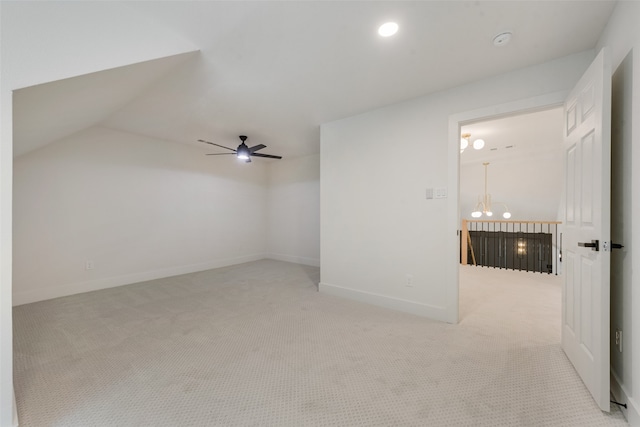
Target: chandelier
(478, 144)
(484, 202)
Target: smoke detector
(502, 39)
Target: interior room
(232, 213)
(511, 170)
(524, 173)
(510, 174)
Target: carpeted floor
(257, 345)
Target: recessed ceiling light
(502, 39)
(388, 29)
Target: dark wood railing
(515, 245)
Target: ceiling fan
(243, 152)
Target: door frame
(456, 121)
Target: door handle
(594, 245)
(616, 246)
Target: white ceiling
(47, 112)
(518, 136)
(277, 70)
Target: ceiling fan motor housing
(243, 151)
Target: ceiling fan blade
(256, 148)
(219, 154)
(217, 145)
(268, 156)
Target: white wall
(138, 208)
(7, 401)
(530, 186)
(35, 49)
(622, 35)
(75, 38)
(294, 210)
(376, 224)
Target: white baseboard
(314, 262)
(412, 307)
(42, 294)
(619, 391)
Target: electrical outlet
(409, 281)
(89, 265)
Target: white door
(586, 242)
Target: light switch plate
(429, 193)
(441, 193)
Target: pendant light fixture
(478, 144)
(484, 206)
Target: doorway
(511, 171)
(585, 292)
(470, 179)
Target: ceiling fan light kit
(243, 152)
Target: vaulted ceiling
(277, 70)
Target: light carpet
(257, 345)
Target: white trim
(314, 262)
(620, 394)
(42, 294)
(452, 247)
(15, 411)
(521, 106)
(514, 108)
(412, 307)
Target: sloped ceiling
(48, 112)
(277, 70)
